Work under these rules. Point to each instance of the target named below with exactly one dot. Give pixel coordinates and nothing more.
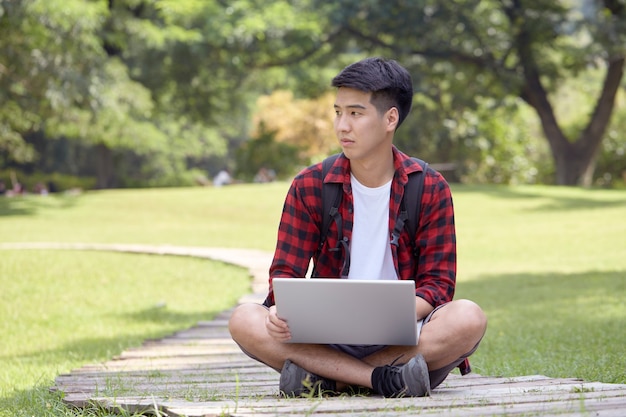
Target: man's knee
(466, 317)
(246, 319)
(474, 324)
(473, 316)
(243, 319)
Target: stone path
(201, 372)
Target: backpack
(409, 212)
(331, 199)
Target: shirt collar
(403, 164)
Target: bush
(54, 182)
(264, 152)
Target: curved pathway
(201, 372)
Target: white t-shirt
(370, 248)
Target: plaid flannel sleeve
(298, 233)
(436, 239)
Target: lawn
(547, 264)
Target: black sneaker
(408, 380)
(296, 381)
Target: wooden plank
(529, 405)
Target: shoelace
(387, 380)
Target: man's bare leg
(453, 331)
(247, 327)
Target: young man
(373, 98)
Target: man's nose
(341, 123)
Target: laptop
(347, 311)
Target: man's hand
(276, 327)
(422, 307)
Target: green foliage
(611, 164)
(53, 182)
(464, 52)
(49, 55)
(497, 142)
(504, 149)
(170, 84)
(265, 152)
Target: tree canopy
(500, 49)
(158, 92)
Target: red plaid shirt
(300, 224)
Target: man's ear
(392, 117)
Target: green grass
(236, 216)
(547, 264)
(560, 325)
(62, 309)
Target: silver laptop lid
(370, 312)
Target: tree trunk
(104, 166)
(573, 167)
(574, 160)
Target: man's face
(362, 131)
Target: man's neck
(373, 172)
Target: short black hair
(389, 82)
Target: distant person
(265, 175)
(40, 188)
(18, 189)
(3, 188)
(373, 97)
(222, 178)
(52, 187)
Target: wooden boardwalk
(201, 372)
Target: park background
(128, 109)
(137, 93)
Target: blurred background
(99, 94)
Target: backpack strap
(331, 200)
(412, 201)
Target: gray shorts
(437, 376)
(361, 351)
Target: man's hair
(389, 83)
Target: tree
(264, 152)
(574, 159)
(157, 88)
(57, 81)
(49, 55)
(503, 48)
(167, 83)
(304, 123)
